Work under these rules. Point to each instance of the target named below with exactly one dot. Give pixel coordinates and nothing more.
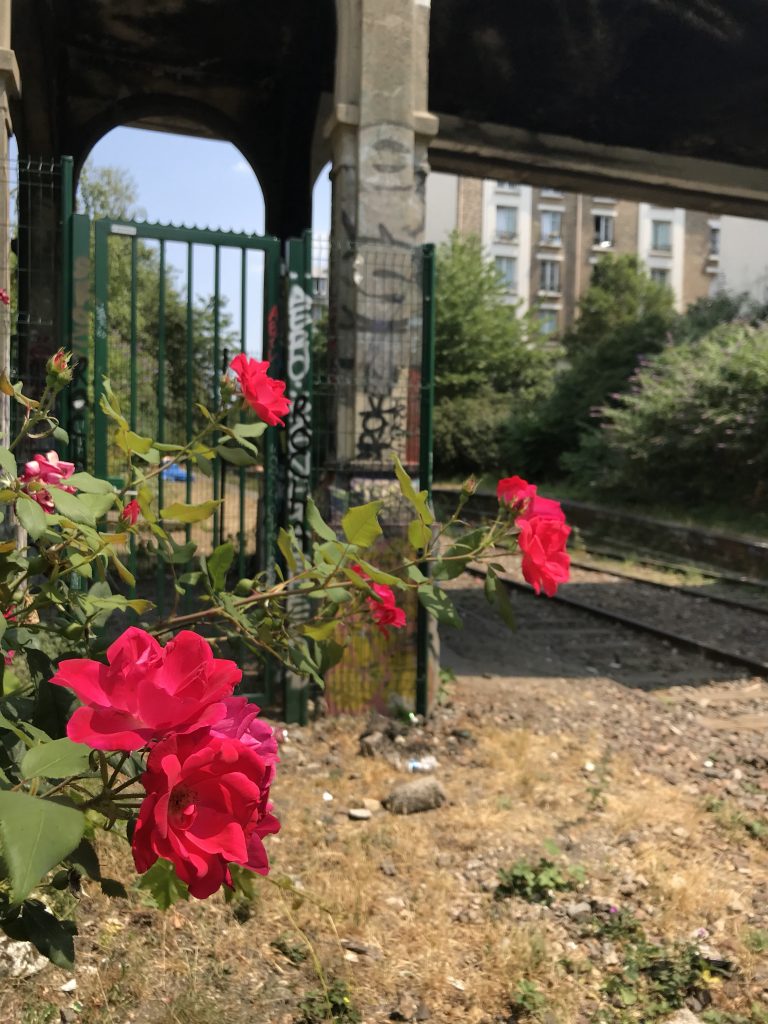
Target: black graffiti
(380, 427)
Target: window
(320, 286)
(551, 227)
(604, 233)
(550, 276)
(507, 268)
(507, 186)
(506, 222)
(553, 193)
(547, 321)
(661, 237)
(660, 276)
(714, 241)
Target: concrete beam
(495, 151)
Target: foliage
(488, 362)
(536, 883)
(527, 1001)
(64, 591)
(651, 980)
(624, 318)
(330, 1006)
(694, 426)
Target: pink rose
(545, 562)
(5, 298)
(384, 611)
(207, 806)
(241, 722)
(264, 394)
(146, 690)
(46, 469)
(131, 512)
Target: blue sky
(201, 183)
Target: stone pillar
(9, 86)
(379, 133)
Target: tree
(624, 318)
(488, 362)
(112, 192)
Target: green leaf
(190, 513)
(454, 561)
(329, 653)
(249, 430)
(55, 760)
(379, 576)
(8, 462)
(86, 860)
(60, 434)
(130, 441)
(322, 632)
(415, 574)
(237, 456)
(419, 535)
(99, 504)
(438, 604)
(417, 501)
(50, 936)
(361, 524)
(90, 484)
(285, 549)
(72, 507)
(31, 517)
(36, 835)
(317, 523)
(504, 606)
(218, 564)
(162, 885)
(118, 603)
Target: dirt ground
(627, 781)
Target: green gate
(141, 316)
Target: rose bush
(137, 728)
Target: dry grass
(507, 795)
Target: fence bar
(217, 515)
(65, 309)
(161, 411)
(425, 454)
(243, 327)
(100, 345)
(188, 396)
(134, 375)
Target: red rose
(5, 298)
(545, 563)
(131, 512)
(515, 491)
(384, 611)
(207, 806)
(46, 469)
(264, 394)
(146, 690)
(241, 722)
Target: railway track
(729, 631)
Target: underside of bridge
(627, 94)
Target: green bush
(693, 428)
(470, 432)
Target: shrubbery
(693, 427)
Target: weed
(757, 1015)
(329, 1007)
(536, 883)
(527, 1002)
(446, 686)
(757, 941)
(733, 819)
(290, 950)
(45, 1013)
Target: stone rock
(578, 911)
(415, 796)
(374, 806)
(406, 1008)
(19, 959)
(683, 1016)
(388, 868)
(371, 744)
(359, 813)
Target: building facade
(545, 242)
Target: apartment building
(545, 242)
